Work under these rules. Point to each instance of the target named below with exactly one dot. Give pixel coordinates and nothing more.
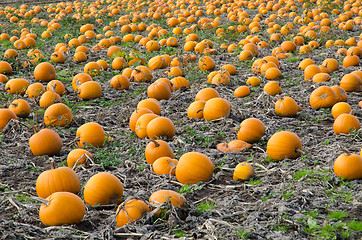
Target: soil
(276, 204)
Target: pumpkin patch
(180, 119)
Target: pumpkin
(45, 142)
(206, 94)
(120, 82)
(340, 93)
(5, 68)
(164, 165)
(62, 208)
(20, 107)
(151, 104)
(17, 86)
(194, 167)
(196, 109)
(321, 77)
(166, 81)
(56, 86)
(57, 114)
(142, 122)
(272, 73)
(310, 71)
(348, 166)
(233, 146)
(57, 57)
(156, 63)
(206, 63)
(102, 189)
(90, 133)
(34, 90)
(179, 82)
(161, 196)
(339, 108)
(62, 179)
(135, 115)
(48, 98)
(243, 171)
(345, 123)
(119, 63)
(92, 68)
(79, 79)
(156, 149)
(284, 145)
(251, 130)
(322, 97)
(89, 90)
(159, 91)
(351, 60)
(80, 57)
(253, 81)
(331, 63)
(78, 156)
(3, 78)
(5, 116)
(44, 72)
(130, 211)
(141, 74)
(216, 108)
(350, 83)
(175, 72)
(160, 127)
(272, 88)
(287, 107)
(305, 63)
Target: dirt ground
(290, 199)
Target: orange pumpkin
(322, 97)
(251, 130)
(348, 166)
(44, 72)
(90, 133)
(156, 149)
(151, 104)
(164, 165)
(77, 157)
(142, 122)
(102, 189)
(130, 211)
(45, 142)
(206, 94)
(20, 107)
(160, 127)
(58, 114)
(161, 196)
(89, 90)
(345, 123)
(284, 145)
(62, 208)
(62, 179)
(243, 171)
(287, 107)
(120, 82)
(194, 167)
(216, 108)
(5, 116)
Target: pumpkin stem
(155, 142)
(52, 164)
(200, 110)
(55, 85)
(345, 151)
(42, 200)
(14, 104)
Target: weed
(241, 233)
(189, 189)
(205, 206)
(288, 194)
(255, 181)
(337, 215)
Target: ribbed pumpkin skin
(62, 179)
(20, 107)
(344, 123)
(157, 149)
(196, 109)
(136, 115)
(162, 196)
(5, 116)
(45, 142)
(142, 122)
(206, 94)
(75, 154)
(322, 97)
(151, 104)
(64, 208)
(90, 90)
(194, 167)
(57, 114)
(251, 130)
(103, 188)
(91, 133)
(164, 165)
(348, 166)
(160, 126)
(286, 107)
(216, 108)
(44, 72)
(284, 145)
(132, 210)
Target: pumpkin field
(181, 119)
